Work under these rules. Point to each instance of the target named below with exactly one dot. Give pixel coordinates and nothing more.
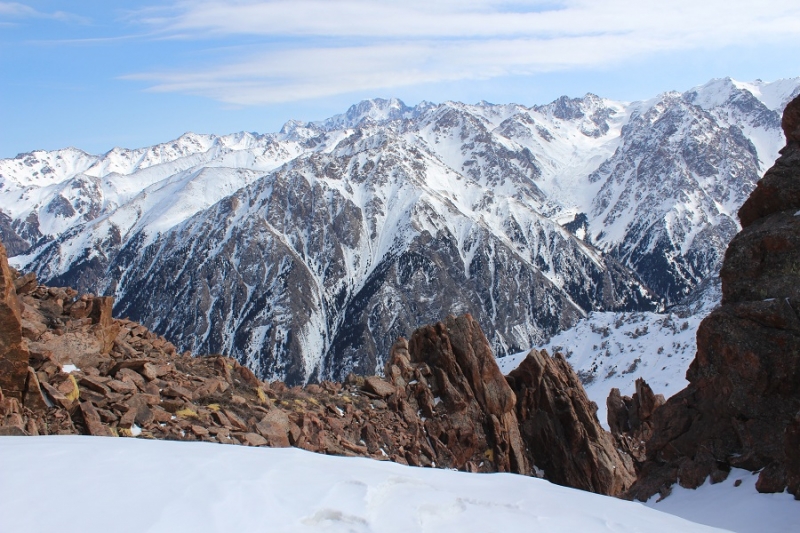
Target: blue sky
(95, 75)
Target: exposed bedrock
(742, 405)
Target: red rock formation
(450, 376)
(630, 418)
(13, 350)
(560, 428)
(742, 405)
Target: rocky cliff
(69, 367)
(742, 406)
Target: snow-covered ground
(727, 506)
(614, 349)
(93, 484)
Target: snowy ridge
(613, 350)
(610, 350)
(304, 252)
(210, 487)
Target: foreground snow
(740, 509)
(98, 484)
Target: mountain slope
(305, 252)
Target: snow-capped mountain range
(304, 253)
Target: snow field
(93, 484)
(610, 350)
(742, 509)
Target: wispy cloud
(18, 11)
(382, 44)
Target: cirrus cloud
(18, 11)
(302, 49)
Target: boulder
(92, 421)
(379, 387)
(33, 398)
(274, 427)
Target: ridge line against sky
(95, 75)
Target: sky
(99, 74)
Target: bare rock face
(630, 418)
(449, 368)
(779, 189)
(13, 350)
(560, 429)
(742, 405)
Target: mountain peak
(373, 110)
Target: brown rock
(779, 189)
(176, 391)
(275, 428)
(129, 376)
(122, 347)
(379, 387)
(25, 284)
(151, 371)
(172, 406)
(124, 387)
(254, 439)
(33, 323)
(235, 421)
(478, 402)
(210, 388)
(128, 418)
(791, 122)
(79, 310)
(92, 420)
(246, 376)
(791, 445)
(56, 396)
(618, 412)
(560, 428)
(740, 407)
(221, 419)
(101, 315)
(200, 431)
(141, 403)
(761, 263)
(13, 350)
(32, 427)
(73, 347)
(12, 431)
(93, 384)
(33, 398)
(160, 415)
(136, 364)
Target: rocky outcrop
(630, 418)
(448, 374)
(560, 429)
(13, 351)
(742, 406)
